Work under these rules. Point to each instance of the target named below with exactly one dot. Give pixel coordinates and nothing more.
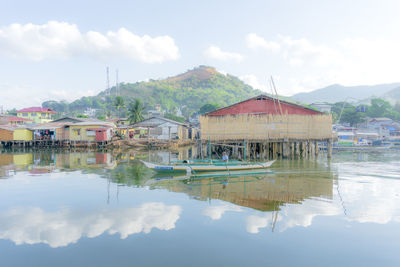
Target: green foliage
(174, 117)
(82, 116)
(352, 116)
(379, 108)
(135, 111)
(101, 117)
(208, 108)
(356, 114)
(188, 91)
(118, 104)
(12, 112)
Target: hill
(187, 91)
(336, 92)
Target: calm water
(105, 209)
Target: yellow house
(86, 131)
(22, 135)
(37, 114)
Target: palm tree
(119, 103)
(135, 111)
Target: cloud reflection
(32, 225)
(293, 215)
(216, 212)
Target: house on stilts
(265, 127)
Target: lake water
(106, 209)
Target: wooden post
(316, 148)
(329, 148)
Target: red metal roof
(263, 105)
(15, 118)
(36, 109)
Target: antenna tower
(117, 84)
(108, 82)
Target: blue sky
(60, 49)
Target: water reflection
(362, 189)
(33, 225)
(292, 182)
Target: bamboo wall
(266, 127)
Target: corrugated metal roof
(155, 122)
(278, 104)
(36, 109)
(101, 123)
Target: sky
(59, 50)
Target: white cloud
(311, 65)
(61, 40)
(64, 227)
(215, 52)
(253, 81)
(216, 212)
(254, 41)
(35, 96)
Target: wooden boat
(255, 174)
(208, 166)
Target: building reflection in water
(292, 182)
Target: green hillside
(187, 91)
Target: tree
(378, 108)
(174, 117)
(208, 108)
(12, 112)
(119, 103)
(135, 111)
(82, 116)
(352, 116)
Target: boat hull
(195, 168)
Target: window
(90, 133)
(24, 114)
(33, 114)
(77, 131)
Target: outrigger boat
(198, 167)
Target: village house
(22, 134)
(6, 133)
(165, 129)
(266, 127)
(13, 120)
(92, 131)
(37, 114)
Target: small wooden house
(91, 131)
(37, 114)
(164, 129)
(6, 133)
(22, 134)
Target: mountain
(187, 92)
(393, 96)
(336, 93)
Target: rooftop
(36, 109)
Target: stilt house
(267, 127)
